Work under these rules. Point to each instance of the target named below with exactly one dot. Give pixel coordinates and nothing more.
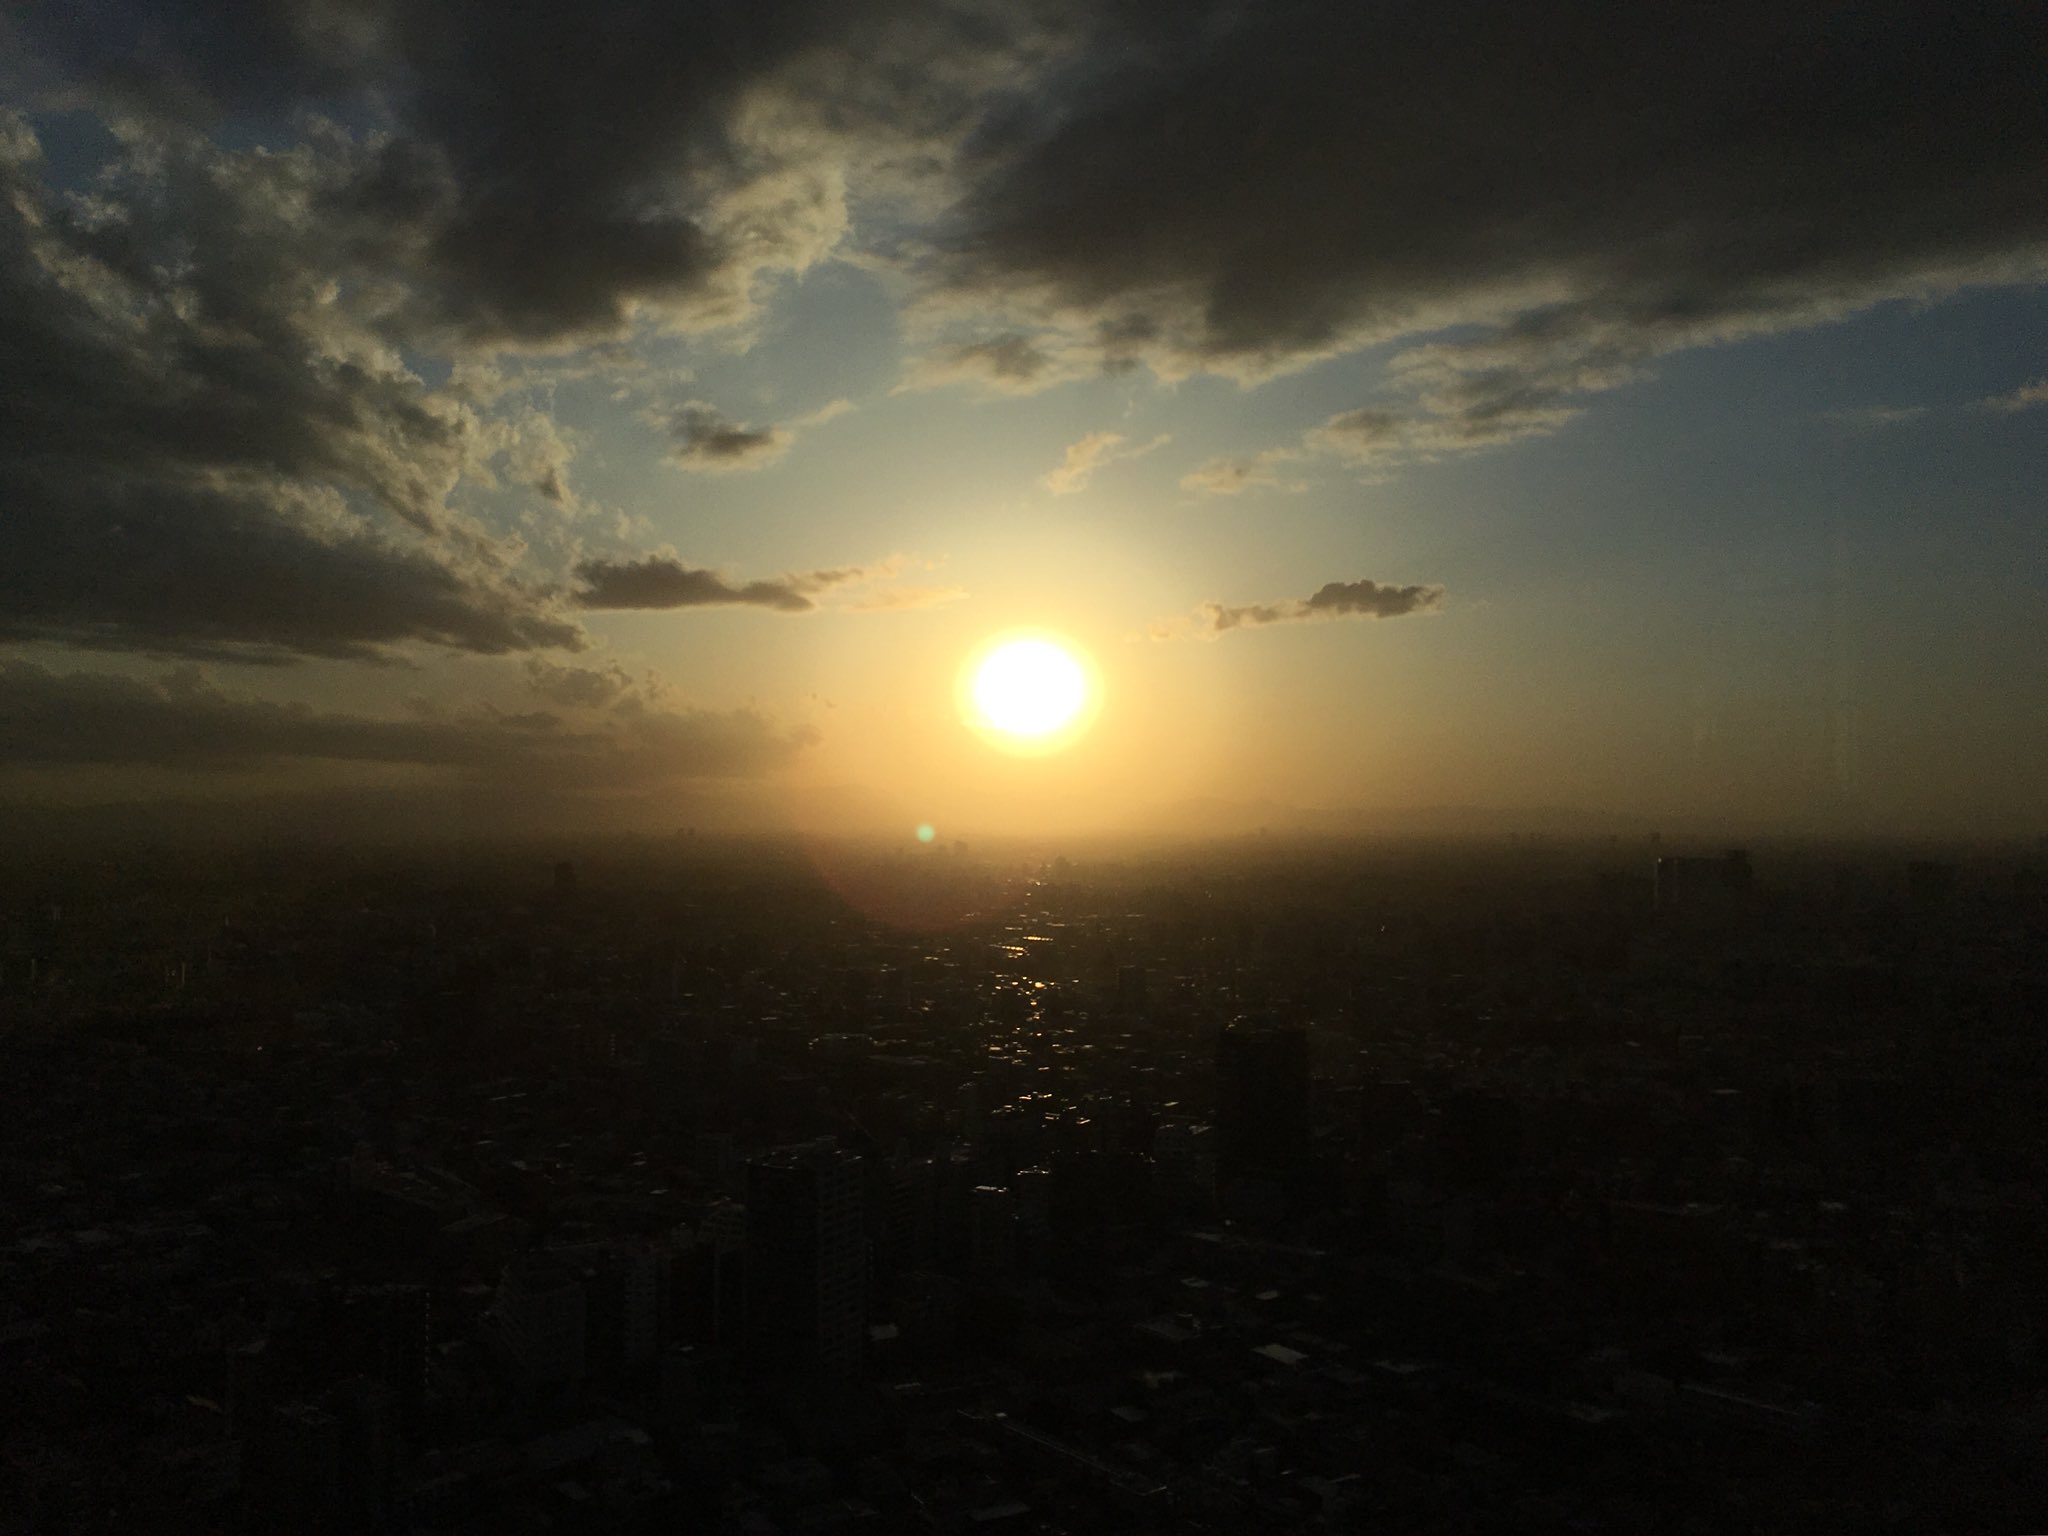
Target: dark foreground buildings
(1435, 1190)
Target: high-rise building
(709, 1268)
(902, 1217)
(806, 1261)
(1262, 1123)
(542, 1317)
(624, 1286)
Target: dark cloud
(544, 171)
(1187, 185)
(1595, 188)
(1333, 600)
(181, 721)
(706, 440)
(663, 581)
(1370, 600)
(96, 562)
(198, 455)
(214, 433)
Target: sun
(1029, 688)
(1028, 692)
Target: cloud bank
(199, 456)
(183, 721)
(1584, 194)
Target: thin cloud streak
(1096, 451)
(1363, 599)
(1235, 476)
(2025, 398)
(661, 581)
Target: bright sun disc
(1028, 692)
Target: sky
(464, 416)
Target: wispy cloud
(902, 599)
(1011, 363)
(832, 410)
(2025, 398)
(1235, 476)
(1874, 417)
(1096, 451)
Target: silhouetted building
(565, 879)
(806, 1261)
(1262, 1124)
(623, 1288)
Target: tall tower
(1262, 1127)
(806, 1262)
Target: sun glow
(1028, 692)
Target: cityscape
(1263, 1185)
(1023, 768)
